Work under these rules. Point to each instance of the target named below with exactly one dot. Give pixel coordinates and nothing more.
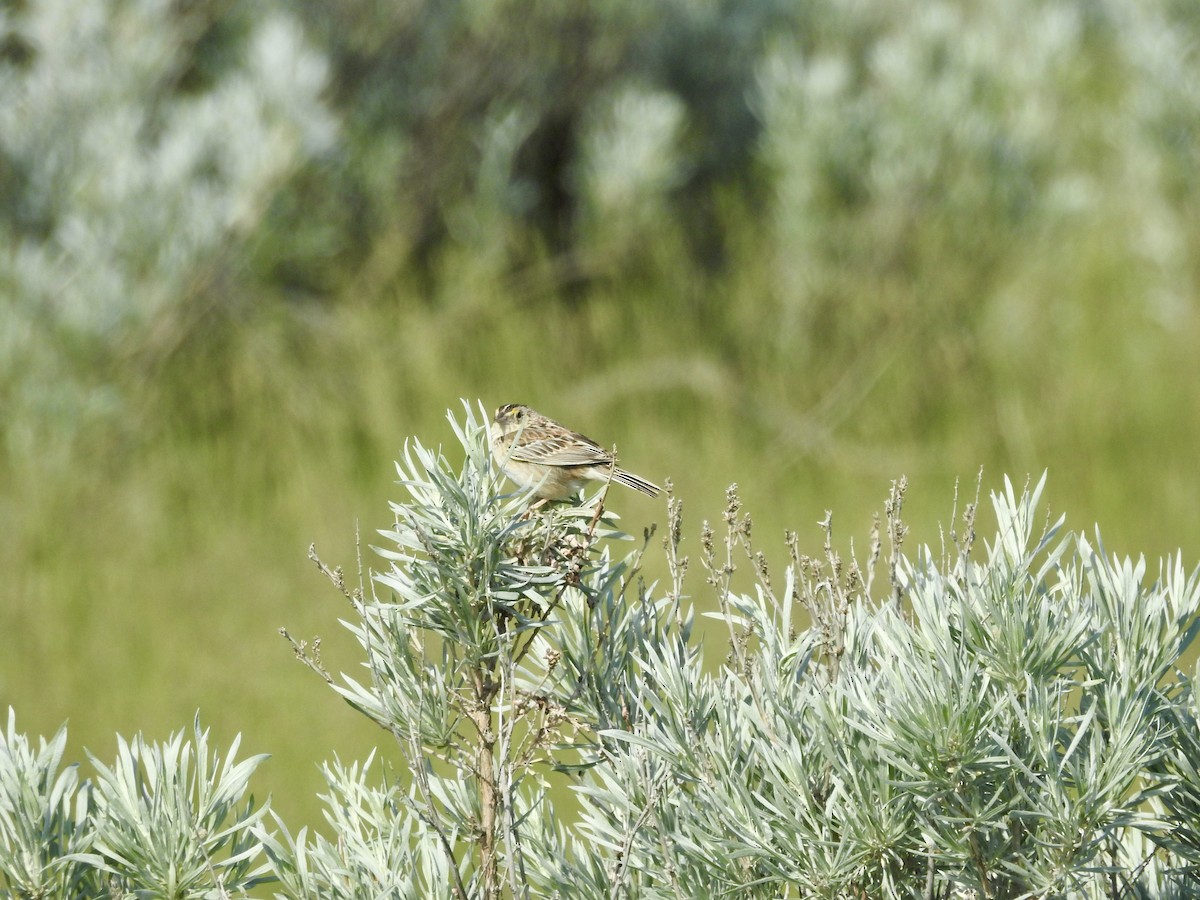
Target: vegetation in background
(1000, 719)
(248, 247)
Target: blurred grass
(147, 578)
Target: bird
(539, 453)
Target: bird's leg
(533, 508)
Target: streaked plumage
(537, 452)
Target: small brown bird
(537, 452)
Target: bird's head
(511, 416)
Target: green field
(147, 579)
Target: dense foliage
(999, 720)
(862, 169)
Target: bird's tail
(637, 482)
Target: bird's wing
(560, 451)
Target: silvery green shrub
(1003, 717)
(140, 143)
(981, 718)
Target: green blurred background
(250, 248)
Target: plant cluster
(161, 163)
(999, 719)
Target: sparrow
(537, 452)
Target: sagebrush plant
(1006, 726)
(140, 144)
(1002, 718)
(168, 819)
